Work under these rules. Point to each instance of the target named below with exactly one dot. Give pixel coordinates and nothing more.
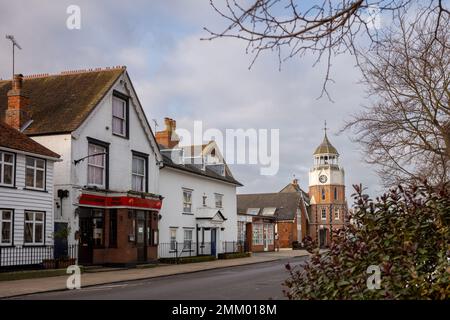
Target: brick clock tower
(327, 193)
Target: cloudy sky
(179, 76)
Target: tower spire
(325, 127)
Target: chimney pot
(17, 82)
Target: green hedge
(234, 255)
(187, 259)
(31, 274)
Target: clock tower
(326, 192)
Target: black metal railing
(28, 256)
(184, 249)
(234, 247)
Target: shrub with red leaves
(405, 233)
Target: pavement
(40, 285)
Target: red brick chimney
(168, 138)
(18, 112)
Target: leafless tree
(295, 27)
(405, 128)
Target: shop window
(258, 234)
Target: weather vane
(14, 45)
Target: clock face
(323, 178)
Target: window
(173, 239)
(138, 175)
(113, 228)
(119, 116)
(187, 238)
(6, 169)
(335, 193)
(98, 227)
(6, 218)
(323, 194)
(34, 173)
(258, 234)
(219, 199)
(96, 165)
(336, 214)
(187, 201)
(269, 234)
(34, 227)
(241, 228)
(324, 214)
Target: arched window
(323, 194)
(335, 193)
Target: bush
(405, 233)
(187, 259)
(234, 255)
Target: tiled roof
(60, 103)
(14, 139)
(292, 187)
(286, 203)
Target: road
(258, 281)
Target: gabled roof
(286, 203)
(209, 213)
(294, 187)
(325, 147)
(13, 139)
(60, 103)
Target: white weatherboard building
(199, 213)
(26, 199)
(106, 187)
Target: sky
(177, 75)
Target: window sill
(8, 187)
(37, 190)
(121, 136)
(188, 213)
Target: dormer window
(120, 115)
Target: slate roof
(292, 187)
(206, 173)
(60, 103)
(14, 139)
(286, 203)
(325, 147)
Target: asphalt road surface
(258, 281)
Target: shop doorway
(141, 235)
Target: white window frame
(11, 226)
(137, 174)
(258, 234)
(323, 210)
(35, 169)
(2, 168)
(34, 223)
(188, 239)
(187, 204)
(173, 239)
(337, 214)
(89, 164)
(124, 119)
(218, 198)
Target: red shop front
(117, 228)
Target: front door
(141, 236)
(213, 241)
(85, 251)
